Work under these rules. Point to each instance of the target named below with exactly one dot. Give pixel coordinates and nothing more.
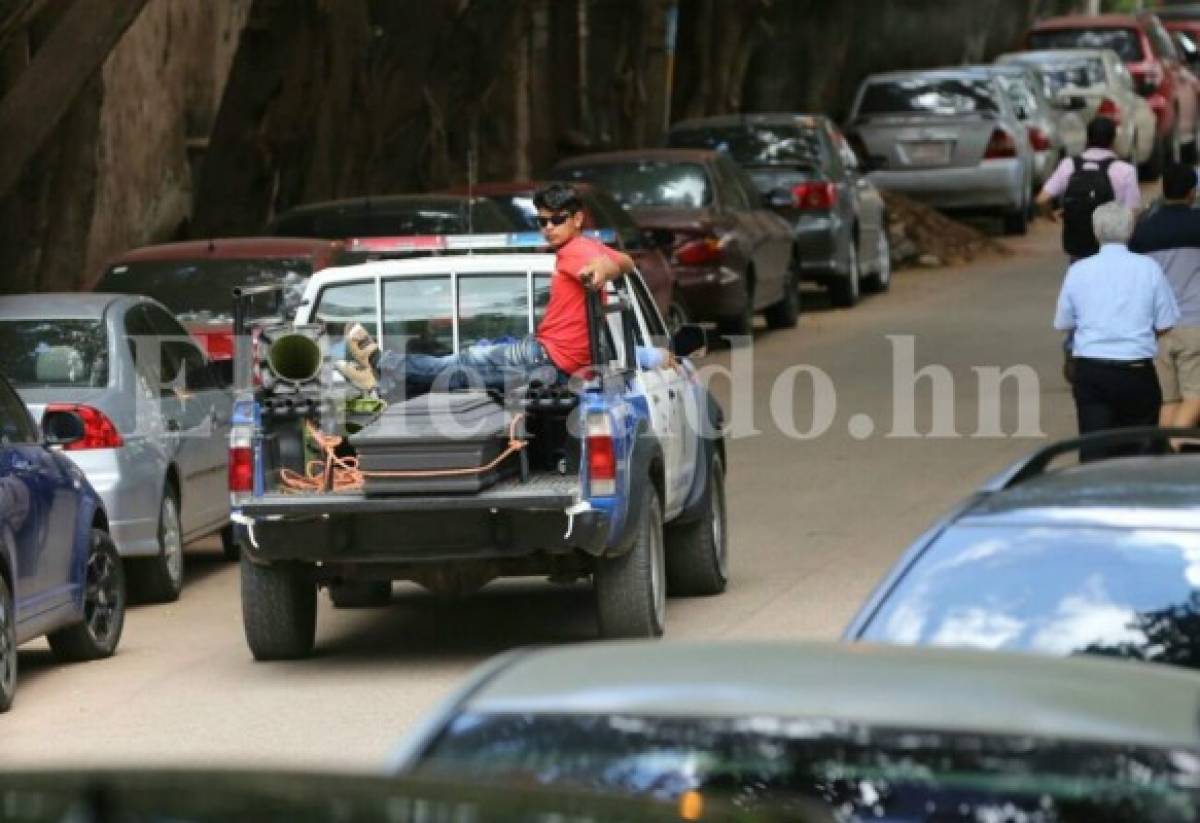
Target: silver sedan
(155, 415)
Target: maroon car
(732, 255)
(195, 279)
(601, 213)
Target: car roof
(59, 306)
(1089, 21)
(955, 71)
(1146, 492)
(754, 118)
(229, 248)
(442, 264)
(391, 202)
(1056, 55)
(884, 686)
(630, 155)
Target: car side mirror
(62, 428)
(688, 339)
(779, 199)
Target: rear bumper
(991, 184)
(129, 485)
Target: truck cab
(616, 476)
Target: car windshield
(54, 353)
(756, 145)
(649, 183)
(1125, 42)
(929, 95)
(779, 764)
(201, 290)
(1119, 592)
(1080, 75)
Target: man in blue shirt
(1171, 235)
(1117, 303)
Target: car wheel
(631, 590)
(360, 594)
(881, 279)
(1017, 222)
(677, 315)
(742, 324)
(698, 552)
(279, 610)
(160, 579)
(8, 647)
(103, 607)
(786, 313)
(846, 291)
(229, 545)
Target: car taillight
(815, 196)
(241, 460)
(1000, 145)
(98, 431)
(1038, 139)
(699, 252)
(602, 462)
(1108, 108)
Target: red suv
(1143, 43)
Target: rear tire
(740, 325)
(631, 590)
(103, 607)
(360, 594)
(881, 279)
(160, 579)
(786, 313)
(698, 552)
(8, 646)
(229, 546)
(845, 292)
(1016, 222)
(279, 610)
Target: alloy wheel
(102, 597)
(658, 567)
(884, 253)
(8, 646)
(172, 539)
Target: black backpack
(1087, 188)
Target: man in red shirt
(557, 350)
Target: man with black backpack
(1093, 178)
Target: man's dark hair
(1101, 133)
(1178, 180)
(557, 197)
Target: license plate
(927, 153)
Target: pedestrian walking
(1082, 183)
(1116, 303)
(1171, 235)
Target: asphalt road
(814, 524)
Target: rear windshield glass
(45, 353)
(756, 145)
(200, 290)
(1123, 593)
(940, 95)
(649, 183)
(1124, 42)
(762, 764)
(1079, 75)
(416, 219)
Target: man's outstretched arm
(599, 270)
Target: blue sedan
(60, 574)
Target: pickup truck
(628, 490)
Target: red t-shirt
(564, 329)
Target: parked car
(1148, 51)
(195, 280)
(948, 137)
(155, 415)
(600, 213)
(400, 215)
(60, 575)
(868, 732)
(733, 256)
(1097, 558)
(1095, 82)
(1054, 132)
(804, 163)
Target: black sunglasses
(554, 219)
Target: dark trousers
(1109, 395)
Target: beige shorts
(1178, 364)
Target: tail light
(1000, 145)
(602, 461)
(241, 460)
(815, 196)
(699, 252)
(98, 431)
(1108, 108)
(1038, 139)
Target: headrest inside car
(60, 364)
